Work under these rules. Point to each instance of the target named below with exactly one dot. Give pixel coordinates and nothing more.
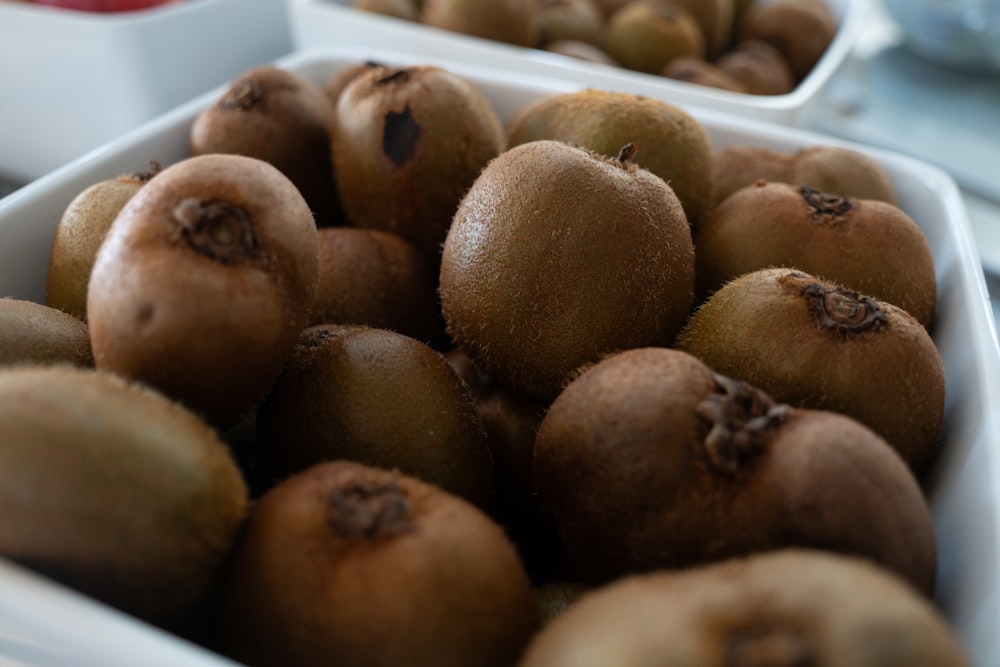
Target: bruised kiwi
(379, 398)
(204, 283)
(650, 459)
(80, 233)
(558, 255)
(866, 245)
(283, 118)
(32, 333)
(816, 344)
(407, 143)
(793, 607)
(670, 142)
(372, 567)
(112, 489)
(646, 35)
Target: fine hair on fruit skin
(650, 459)
(370, 567)
(112, 489)
(32, 333)
(204, 283)
(558, 255)
(813, 343)
(793, 607)
(867, 245)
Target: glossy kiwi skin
(649, 459)
(204, 283)
(375, 568)
(786, 607)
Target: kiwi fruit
(609, 7)
(379, 398)
(558, 255)
(646, 35)
(339, 78)
(813, 343)
(204, 282)
(115, 491)
(279, 116)
(33, 333)
(802, 30)
(555, 597)
(407, 143)
(371, 567)
(80, 233)
(379, 279)
(510, 21)
(575, 20)
(511, 421)
(581, 51)
(867, 245)
(759, 67)
(715, 21)
(783, 608)
(701, 72)
(400, 9)
(669, 140)
(833, 169)
(650, 459)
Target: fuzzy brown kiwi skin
(283, 118)
(646, 35)
(581, 51)
(703, 73)
(114, 490)
(407, 142)
(715, 19)
(736, 167)
(79, 234)
(375, 568)
(651, 460)
(843, 171)
(759, 67)
(787, 608)
(380, 398)
(843, 239)
(31, 333)
(801, 30)
(815, 344)
(511, 21)
(205, 282)
(576, 20)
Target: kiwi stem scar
(741, 420)
(826, 204)
(369, 511)
(843, 310)
(217, 229)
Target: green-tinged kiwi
(80, 233)
(646, 35)
(570, 20)
(842, 171)
(833, 169)
(558, 255)
(368, 567)
(379, 398)
(649, 460)
(400, 9)
(670, 141)
(281, 117)
(801, 30)
(511, 21)
(511, 421)
(111, 489)
(790, 608)
(407, 143)
(863, 244)
(379, 279)
(32, 333)
(759, 67)
(715, 21)
(703, 73)
(581, 51)
(815, 344)
(339, 79)
(204, 283)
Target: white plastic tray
(334, 22)
(74, 80)
(963, 489)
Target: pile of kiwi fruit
(750, 47)
(375, 375)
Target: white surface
(334, 22)
(73, 81)
(963, 489)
